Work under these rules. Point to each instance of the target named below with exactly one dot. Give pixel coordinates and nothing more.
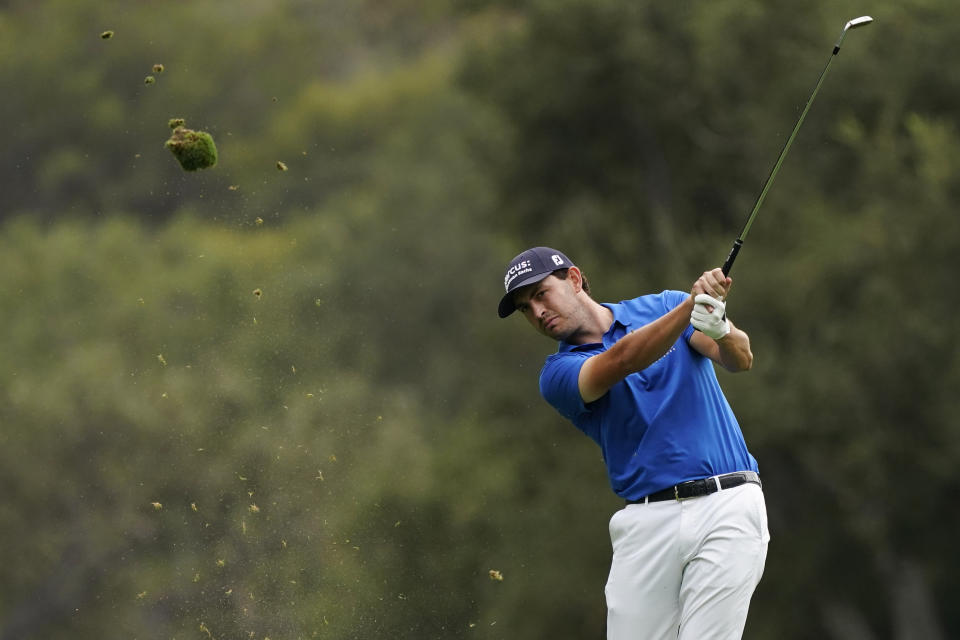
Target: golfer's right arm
(633, 352)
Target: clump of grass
(149, 80)
(193, 149)
(106, 35)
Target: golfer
(638, 377)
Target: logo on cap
(557, 260)
(524, 266)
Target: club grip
(732, 256)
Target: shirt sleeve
(559, 384)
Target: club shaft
(773, 172)
(728, 264)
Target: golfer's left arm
(732, 351)
(715, 336)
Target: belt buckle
(676, 494)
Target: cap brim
(506, 302)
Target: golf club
(852, 24)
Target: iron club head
(853, 24)
(858, 22)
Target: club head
(858, 22)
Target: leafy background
(349, 453)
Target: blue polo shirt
(660, 426)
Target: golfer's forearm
(641, 348)
(735, 353)
(633, 352)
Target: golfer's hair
(562, 274)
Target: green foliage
(279, 403)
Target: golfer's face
(548, 305)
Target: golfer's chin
(556, 331)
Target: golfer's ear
(576, 278)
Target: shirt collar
(619, 314)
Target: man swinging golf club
(690, 544)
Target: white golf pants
(686, 569)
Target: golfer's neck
(598, 319)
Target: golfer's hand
(713, 283)
(709, 316)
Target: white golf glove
(711, 323)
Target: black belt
(697, 488)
